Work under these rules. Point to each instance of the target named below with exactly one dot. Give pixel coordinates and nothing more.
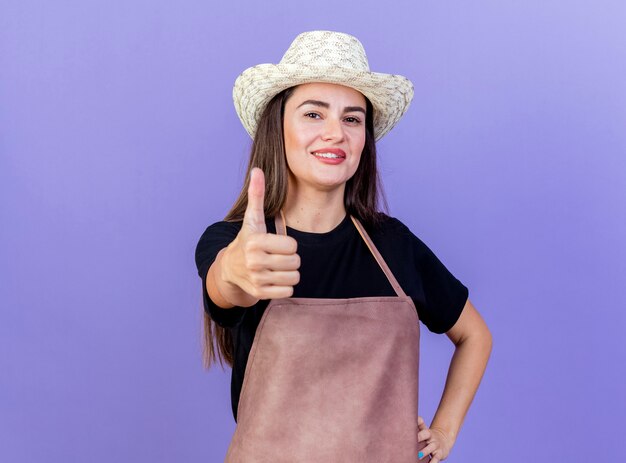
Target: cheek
(358, 142)
(287, 134)
(292, 134)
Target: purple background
(119, 144)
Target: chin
(334, 178)
(322, 182)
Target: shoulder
(218, 232)
(396, 240)
(392, 227)
(222, 227)
(215, 237)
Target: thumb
(254, 217)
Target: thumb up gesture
(264, 265)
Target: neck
(314, 211)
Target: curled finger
(423, 435)
(275, 292)
(428, 450)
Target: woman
(311, 294)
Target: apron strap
(383, 265)
(281, 228)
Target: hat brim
(389, 94)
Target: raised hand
(262, 264)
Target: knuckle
(294, 244)
(249, 264)
(253, 263)
(250, 245)
(255, 279)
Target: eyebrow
(323, 104)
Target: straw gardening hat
(323, 56)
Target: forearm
(464, 375)
(225, 295)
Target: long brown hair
(361, 196)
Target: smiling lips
(330, 155)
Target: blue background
(119, 145)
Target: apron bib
(331, 380)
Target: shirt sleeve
(444, 296)
(216, 237)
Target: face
(324, 132)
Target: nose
(333, 130)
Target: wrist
(447, 433)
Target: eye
(353, 120)
(312, 115)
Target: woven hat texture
(323, 56)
